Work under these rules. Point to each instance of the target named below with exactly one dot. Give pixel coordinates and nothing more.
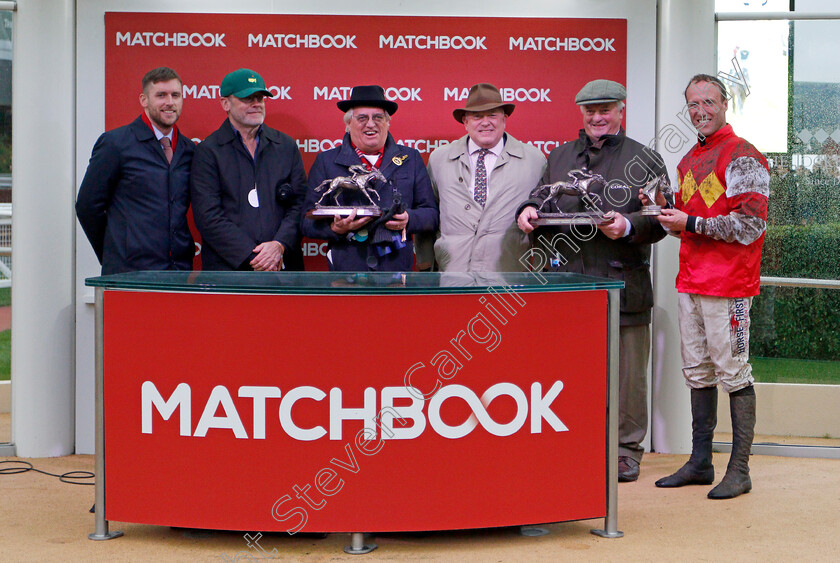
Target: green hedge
(802, 251)
(798, 322)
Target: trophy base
(330, 212)
(583, 218)
(651, 210)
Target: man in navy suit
(133, 201)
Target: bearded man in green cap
(618, 250)
(247, 185)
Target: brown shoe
(628, 469)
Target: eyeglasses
(378, 118)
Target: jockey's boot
(698, 470)
(737, 479)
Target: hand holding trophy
(656, 191)
(579, 186)
(361, 181)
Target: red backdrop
(426, 64)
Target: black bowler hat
(368, 96)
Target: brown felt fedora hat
(483, 97)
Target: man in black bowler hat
(365, 243)
(247, 185)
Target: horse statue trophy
(579, 185)
(655, 186)
(362, 181)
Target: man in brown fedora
(618, 250)
(479, 180)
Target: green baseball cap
(600, 92)
(243, 83)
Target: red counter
(387, 404)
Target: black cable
(69, 477)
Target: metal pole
(791, 16)
(611, 521)
(101, 532)
(358, 546)
(800, 282)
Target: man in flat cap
(134, 198)
(480, 179)
(618, 250)
(247, 185)
(366, 244)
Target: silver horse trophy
(361, 180)
(578, 185)
(655, 186)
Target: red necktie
(167, 148)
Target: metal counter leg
(533, 531)
(101, 532)
(358, 546)
(611, 521)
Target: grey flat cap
(601, 92)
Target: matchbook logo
(377, 418)
(402, 94)
(508, 94)
(307, 41)
(561, 44)
(160, 39)
(455, 42)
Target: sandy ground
(793, 513)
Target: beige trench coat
(472, 239)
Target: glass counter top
(349, 283)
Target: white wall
(686, 47)
(786, 409)
(42, 230)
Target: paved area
(792, 514)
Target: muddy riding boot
(737, 479)
(698, 470)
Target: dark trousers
(633, 355)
